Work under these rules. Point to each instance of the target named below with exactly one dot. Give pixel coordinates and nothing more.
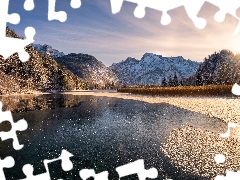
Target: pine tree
(199, 80)
(181, 83)
(170, 81)
(175, 80)
(208, 80)
(225, 74)
(164, 82)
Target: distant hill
(152, 69)
(221, 67)
(87, 67)
(40, 73)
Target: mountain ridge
(40, 73)
(87, 67)
(152, 69)
(48, 50)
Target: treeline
(219, 68)
(107, 86)
(171, 82)
(214, 77)
(39, 74)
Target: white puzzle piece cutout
(29, 5)
(67, 165)
(230, 125)
(229, 176)
(138, 168)
(9, 46)
(21, 125)
(227, 7)
(60, 15)
(8, 162)
(220, 158)
(236, 89)
(192, 8)
(87, 173)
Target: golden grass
(210, 90)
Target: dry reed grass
(210, 90)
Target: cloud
(94, 30)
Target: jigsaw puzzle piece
(75, 4)
(67, 165)
(29, 5)
(12, 45)
(53, 15)
(8, 162)
(5, 17)
(116, 6)
(230, 125)
(161, 5)
(229, 176)
(165, 6)
(226, 7)
(87, 173)
(192, 8)
(29, 33)
(13, 18)
(140, 12)
(28, 171)
(219, 158)
(237, 30)
(236, 89)
(21, 125)
(138, 168)
(60, 15)
(9, 46)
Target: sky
(93, 29)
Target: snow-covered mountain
(87, 67)
(40, 73)
(152, 68)
(48, 50)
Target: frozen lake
(101, 132)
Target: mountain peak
(149, 56)
(152, 68)
(48, 50)
(89, 68)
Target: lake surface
(102, 133)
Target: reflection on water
(22, 103)
(102, 133)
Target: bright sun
(235, 45)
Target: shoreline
(224, 108)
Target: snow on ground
(192, 149)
